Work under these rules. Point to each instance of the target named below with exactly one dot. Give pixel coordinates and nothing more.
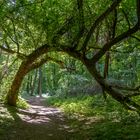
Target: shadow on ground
(47, 123)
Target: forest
(69, 70)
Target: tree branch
(114, 24)
(117, 51)
(138, 11)
(138, 39)
(99, 20)
(16, 38)
(45, 59)
(81, 15)
(114, 41)
(79, 35)
(127, 19)
(133, 94)
(62, 30)
(9, 51)
(126, 101)
(125, 87)
(6, 74)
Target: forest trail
(40, 123)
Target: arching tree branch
(10, 51)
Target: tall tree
(68, 27)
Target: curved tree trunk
(12, 95)
(30, 64)
(117, 95)
(26, 66)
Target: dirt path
(40, 123)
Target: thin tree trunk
(40, 82)
(28, 84)
(33, 84)
(54, 75)
(106, 67)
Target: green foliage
(95, 118)
(27, 25)
(22, 103)
(6, 120)
(93, 106)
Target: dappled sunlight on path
(40, 122)
(38, 113)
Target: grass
(6, 121)
(91, 118)
(91, 106)
(22, 103)
(95, 118)
(9, 117)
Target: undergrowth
(93, 106)
(9, 117)
(97, 119)
(90, 117)
(22, 103)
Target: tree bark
(12, 95)
(26, 66)
(117, 95)
(106, 67)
